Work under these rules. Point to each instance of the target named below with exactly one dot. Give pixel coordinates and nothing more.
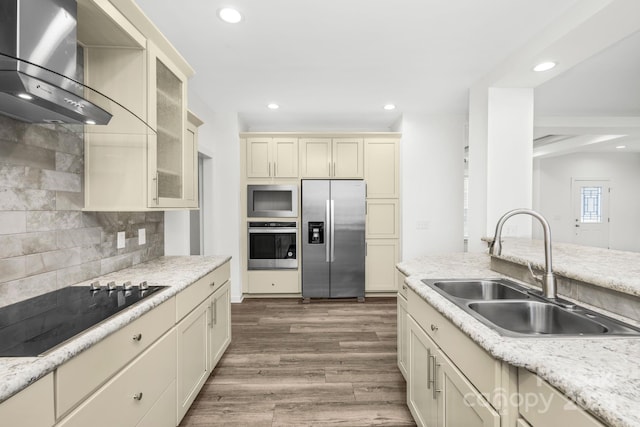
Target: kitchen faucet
(548, 280)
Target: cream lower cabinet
(204, 333)
(193, 356)
(273, 282)
(403, 336)
(451, 381)
(32, 407)
(438, 394)
(128, 398)
(220, 324)
(381, 258)
(542, 405)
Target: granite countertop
(607, 268)
(602, 375)
(176, 272)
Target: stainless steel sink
(480, 290)
(514, 310)
(534, 317)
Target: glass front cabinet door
(171, 152)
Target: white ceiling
(333, 64)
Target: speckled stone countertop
(602, 375)
(607, 268)
(176, 272)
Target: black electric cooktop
(33, 326)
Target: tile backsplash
(46, 241)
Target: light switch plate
(142, 236)
(120, 241)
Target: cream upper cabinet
(332, 157)
(381, 167)
(144, 158)
(167, 114)
(272, 157)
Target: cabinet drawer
(402, 287)
(543, 405)
(163, 413)
(480, 368)
(87, 371)
(32, 407)
(193, 295)
(273, 282)
(128, 397)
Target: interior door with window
(591, 212)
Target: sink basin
(533, 317)
(480, 290)
(512, 309)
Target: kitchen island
(177, 274)
(601, 374)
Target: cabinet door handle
(157, 180)
(137, 337)
(137, 396)
(435, 378)
(210, 323)
(429, 356)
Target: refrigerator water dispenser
(316, 233)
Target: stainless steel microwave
(272, 201)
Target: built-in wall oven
(272, 245)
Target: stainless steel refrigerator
(333, 239)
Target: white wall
(217, 139)
(432, 168)
(553, 177)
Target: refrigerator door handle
(327, 225)
(333, 229)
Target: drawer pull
(434, 328)
(137, 337)
(213, 284)
(137, 396)
(404, 287)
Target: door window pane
(591, 207)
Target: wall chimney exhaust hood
(39, 82)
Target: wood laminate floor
(327, 363)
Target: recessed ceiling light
(544, 66)
(273, 106)
(389, 107)
(90, 122)
(25, 96)
(230, 15)
(621, 147)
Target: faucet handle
(536, 277)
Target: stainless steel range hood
(38, 64)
